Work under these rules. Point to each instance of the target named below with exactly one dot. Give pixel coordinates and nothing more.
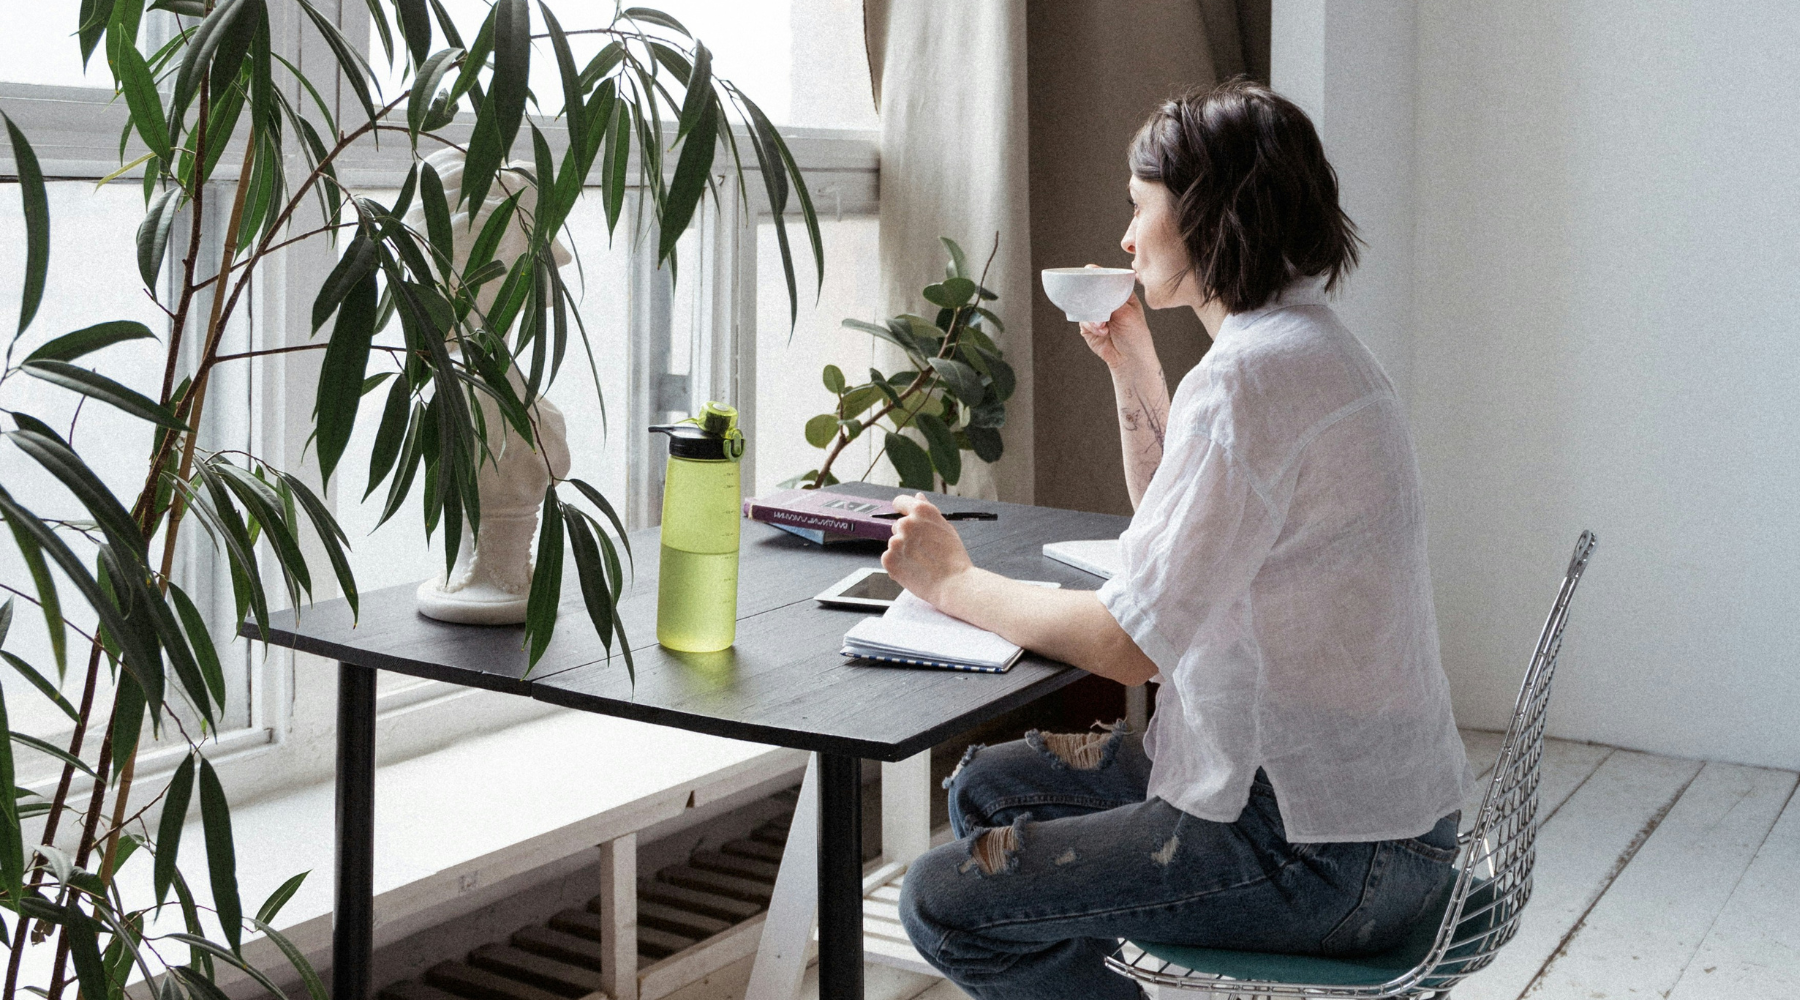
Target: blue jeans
(1059, 853)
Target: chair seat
(1364, 970)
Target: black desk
(782, 683)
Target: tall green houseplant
(647, 104)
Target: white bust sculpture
(491, 580)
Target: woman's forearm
(1143, 399)
(1067, 625)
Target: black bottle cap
(692, 441)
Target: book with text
(823, 516)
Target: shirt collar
(1303, 291)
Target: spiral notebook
(915, 633)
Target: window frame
(288, 740)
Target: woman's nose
(1127, 241)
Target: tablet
(869, 587)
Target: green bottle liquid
(696, 591)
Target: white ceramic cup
(1088, 294)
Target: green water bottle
(696, 591)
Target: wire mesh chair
(1474, 917)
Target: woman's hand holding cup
(1122, 340)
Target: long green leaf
(53, 750)
(70, 346)
(355, 68)
(84, 951)
(467, 81)
(139, 643)
(198, 636)
(807, 213)
(613, 168)
(127, 720)
(590, 571)
(574, 112)
(279, 898)
(654, 17)
(197, 57)
(700, 96)
(98, 386)
(384, 31)
(47, 596)
(94, 16)
(331, 535)
(315, 988)
(216, 505)
(174, 818)
(230, 957)
(221, 854)
(546, 579)
(267, 507)
(497, 119)
(425, 88)
(411, 453)
(437, 220)
(12, 840)
(483, 158)
(692, 172)
(41, 682)
(339, 392)
(390, 435)
(68, 467)
(357, 263)
(145, 102)
(37, 223)
(415, 24)
(775, 184)
(481, 254)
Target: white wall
(1349, 66)
(1606, 201)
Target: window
(721, 332)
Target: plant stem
(269, 350)
(57, 804)
(198, 202)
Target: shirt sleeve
(1197, 541)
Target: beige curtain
(1097, 70)
(949, 81)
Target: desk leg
(840, 877)
(353, 912)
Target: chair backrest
(1494, 880)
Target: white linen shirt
(1275, 573)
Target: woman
(1298, 788)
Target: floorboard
(1641, 935)
(1655, 877)
(1580, 851)
(1753, 949)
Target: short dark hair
(1256, 200)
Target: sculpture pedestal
(482, 604)
(491, 582)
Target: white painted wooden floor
(1656, 877)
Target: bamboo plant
(647, 99)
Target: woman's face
(1154, 242)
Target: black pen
(961, 515)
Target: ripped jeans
(1059, 853)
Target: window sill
(461, 827)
